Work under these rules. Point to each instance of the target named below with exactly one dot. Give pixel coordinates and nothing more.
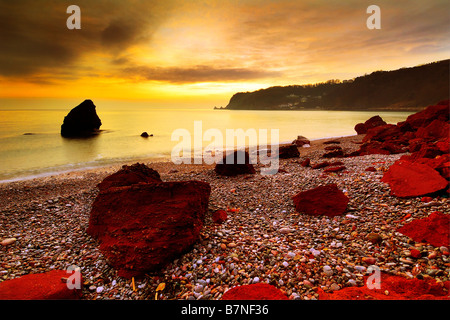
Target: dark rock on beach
(288, 151)
(81, 121)
(234, 164)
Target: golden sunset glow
(205, 51)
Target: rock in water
(234, 164)
(128, 175)
(409, 179)
(81, 121)
(144, 226)
(324, 200)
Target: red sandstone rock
(373, 122)
(144, 226)
(434, 229)
(306, 162)
(382, 133)
(288, 151)
(324, 200)
(256, 291)
(321, 165)
(50, 285)
(301, 141)
(335, 169)
(408, 179)
(371, 169)
(336, 153)
(129, 175)
(360, 128)
(429, 114)
(436, 130)
(219, 216)
(234, 164)
(391, 288)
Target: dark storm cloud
(34, 36)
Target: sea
(31, 145)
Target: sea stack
(82, 121)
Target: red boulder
(436, 130)
(256, 291)
(335, 169)
(144, 226)
(129, 175)
(409, 179)
(288, 151)
(219, 216)
(234, 164)
(423, 118)
(360, 128)
(434, 229)
(52, 285)
(392, 287)
(324, 200)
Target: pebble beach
(264, 239)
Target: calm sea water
(31, 145)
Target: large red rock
(383, 133)
(256, 291)
(142, 227)
(373, 122)
(410, 179)
(423, 118)
(434, 229)
(128, 175)
(50, 285)
(392, 287)
(234, 164)
(436, 130)
(325, 200)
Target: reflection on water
(80, 149)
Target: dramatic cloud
(35, 38)
(177, 42)
(195, 74)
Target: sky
(202, 52)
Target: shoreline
(116, 165)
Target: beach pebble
(8, 241)
(335, 287)
(327, 270)
(286, 230)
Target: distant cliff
(403, 89)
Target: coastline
(49, 216)
(112, 167)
